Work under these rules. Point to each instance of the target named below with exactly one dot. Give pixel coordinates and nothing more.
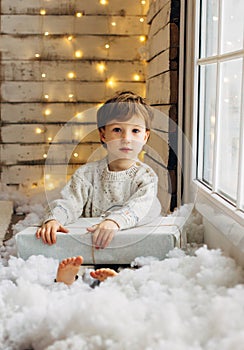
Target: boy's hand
(103, 233)
(47, 232)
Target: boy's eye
(136, 131)
(116, 129)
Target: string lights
(39, 131)
(142, 38)
(42, 12)
(78, 54)
(102, 67)
(47, 112)
(79, 14)
(136, 77)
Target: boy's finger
(47, 236)
(38, 233)
(43, 236)
(95, 236)
(63, 229)
(92, 228)
(108, 240)
(99, 239)
(53, 236)
(104, 238)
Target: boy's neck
(120, 164)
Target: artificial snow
(184, 302)
(191, 302)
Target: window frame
(191, 99)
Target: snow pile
(184, 302)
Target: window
(220, 99)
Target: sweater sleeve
(73, 198)
(143, 206)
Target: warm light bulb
(103, 2)
(47, 176)
(113, 24)
(71, 75)
(50, 186)
(101, 67)
(71, 95)
(44, 75)
(45, 155)
(37, 55)
(111, 82)
(143, 2)
(75, 155)
(46, 96)
(70, 37)
(49, 139)
(141, 20)
(42, 12)
(136, 77)
(142, 38)
(78, 14)
(46, 33)
(78, 54)
(107, 46)
(47, 111)
(38, 130)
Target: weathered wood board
(56, 48)
(59, 112)
(64, 7)
(36, 133)
(159, 64)
(85, 70)
(59, 92)
(158, 42)
(162, 86)
(154, 8)
(55, 153)
(61, 25)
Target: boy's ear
(102, 135)
(146, 137)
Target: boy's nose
(126, 135)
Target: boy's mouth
(125, 149)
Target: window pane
(207, 112)
(242, 172)
(232, 25)
(209, 32)
(229, 127)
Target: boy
(119, 187)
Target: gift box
(155, 239)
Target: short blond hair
(122, 106)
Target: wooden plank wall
(162, 92)
(55, 71)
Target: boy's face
(125, 139)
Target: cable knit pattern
(126, 197)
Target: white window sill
(221, 215)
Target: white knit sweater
(128, 197)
